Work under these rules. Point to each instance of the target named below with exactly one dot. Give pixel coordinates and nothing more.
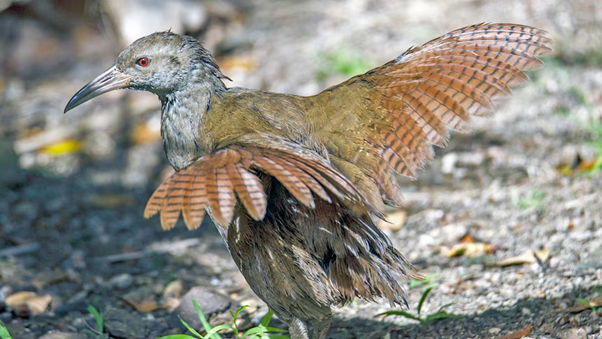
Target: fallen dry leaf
(596, 302)
(171, 304)
(173, 289)
(565, 170)
(523, 332)
(528, 257)
(238, 62)
(28, 302)
(467, 238)
(38, 305)
(172, 294)
(145, 305)
(394, 221)
(19, 298)
(587, 165)
(469, 250)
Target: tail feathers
(214, 181)
(372, 276)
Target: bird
(296, 184)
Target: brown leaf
(469, 250)
(172, 294)
(579, 306)
(543, 255)
(144, 305)
(173, 289)
(523, 332)
(28, 302)
(38, 305)
(587, 165)
(237, 62)
(467, 238)
(19, 298)
(527, 257)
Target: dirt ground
(73, 187)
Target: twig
(168, 247)
(18, 250)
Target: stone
(63, 335)
(122, 281)
(573, 333)
(123, 324)
(210, 302)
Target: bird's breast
(180, 126)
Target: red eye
(142, 62)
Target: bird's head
(160, 63)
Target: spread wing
(373, 125)
(214, 180)
(416, 98)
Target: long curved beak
(110, 80)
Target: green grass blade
(213, 332)
(444, 307)
(254, 332)
(423, 298)
(177, 336)
(584, 302)
(275, 329)
(427, 280)
(4, 332)
(204, 321)
(97, 318)
(437, 316)
(400, 313)
(189, 328)
(235, 316)
(265, 321)
(262, 331)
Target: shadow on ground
(547, 318)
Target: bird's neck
(182, 112)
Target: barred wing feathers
(214, 181)
(438, 86)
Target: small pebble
(495, 330)
(123, 324)
(573, 333)
(209, 301)
(122, 281)
(63, 335)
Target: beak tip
(70, 105)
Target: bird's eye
(142, 62)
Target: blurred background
(73, 187)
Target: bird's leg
(321, 327)
(297, 329)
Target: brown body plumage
(295, 184)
